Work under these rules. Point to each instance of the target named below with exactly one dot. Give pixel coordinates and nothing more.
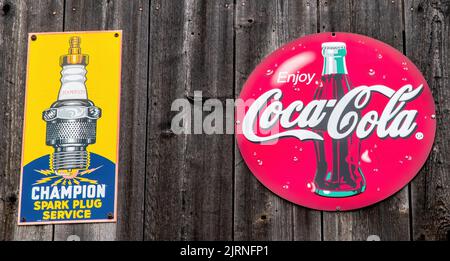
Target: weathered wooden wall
(197, 187)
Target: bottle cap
(334, 45)
(335, 49)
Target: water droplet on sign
(269, 72)
(260, 162)
(371, 72)
(365, 157)
(419, 135)
(319, 83)
(380, 56)
(295, 159)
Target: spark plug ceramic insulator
(73, 78)
(72, 119)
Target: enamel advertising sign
(335, 121)
(71, 128)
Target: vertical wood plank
(381, 20)
(133, 18)
(188, 192)
(17, 19)
(189, 177)
(427, 45)
(261, 27)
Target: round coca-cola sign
(335, 121)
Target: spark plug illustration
(72, 119)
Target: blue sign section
(76, 195)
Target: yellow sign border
(114, 219)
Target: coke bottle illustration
(337, 173)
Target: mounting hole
(333, 34)
(116, 35)
(33, 37)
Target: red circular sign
(335, 121)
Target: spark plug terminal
(74, 55)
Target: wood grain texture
(17, 19)
(189, 177)
(197, 187)
(131, 17)
(381, 20)
(427, 45)
(261, 27)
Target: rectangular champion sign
(71, 128)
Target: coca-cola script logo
(335, 121)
